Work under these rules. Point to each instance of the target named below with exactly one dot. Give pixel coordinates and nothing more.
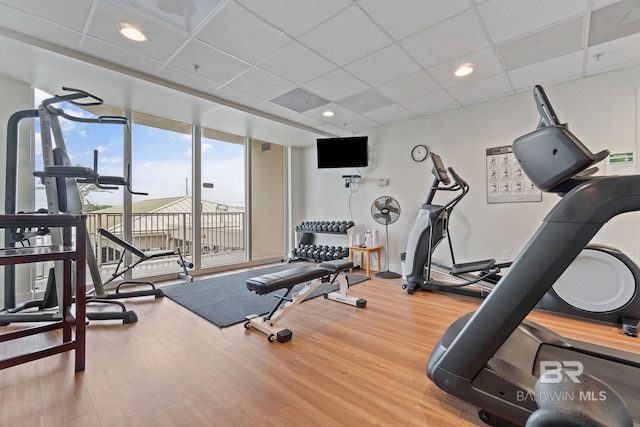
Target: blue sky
(161, 159)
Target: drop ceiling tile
(341, 114)
(120, 56)
(185, 16)
(506, 19)
(613, 54)
(390, 114)
(432, 103)
(295, 17)
(346, 37)
(238, 96)
(299, 100)
(408, 87)
(601, 3)
(212, 63)
(306, 120)
(277, 110)
(296, 63)
(335, 85)
(188, 79)
(21, 22)
(240, 33)
(557, 40)
(161, 41)
(261, 84)
(481, 90)
(615, 21)
(359, 124)
(382, 66)
(67, 13)
(484, 62)
(447, 40)
(335, 130)
(547, 72)
(362, 102)
(402, 18)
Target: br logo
(555, 371)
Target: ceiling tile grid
(346, 37)
(107, 18)
(374, 61)
(14, 19)
(239, 33)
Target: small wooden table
(366, 251)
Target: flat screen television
(348, 152)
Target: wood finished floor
(344, 367)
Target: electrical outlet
(505, 255)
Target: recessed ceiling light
(132, 33)
(328, 113)
(464, 70)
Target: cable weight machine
(60, 180)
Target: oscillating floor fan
(385, 210)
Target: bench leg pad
(272, 332)
(356, 302)
(342, 294)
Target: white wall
(600, 110)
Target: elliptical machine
(429, 229)
(610, 301)
(512, 368)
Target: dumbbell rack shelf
(67, 252)
(300, 230)
(321, 253)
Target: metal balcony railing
(221, 240)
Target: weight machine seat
(143, 256)
(288, 278)
(128, 246)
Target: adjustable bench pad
(288, 278)
(336, 266)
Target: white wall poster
(506, 182)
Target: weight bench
(325, 272)
(142, 256)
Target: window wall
(223, 196)
(193, 189)
(161, 169)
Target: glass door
(223, 214)
(161, 166)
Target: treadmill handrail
(558, 241)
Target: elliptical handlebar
(458, 180)
(462, 184)
(441, 175)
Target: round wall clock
(419, 152)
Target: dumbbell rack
(321, 253)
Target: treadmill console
(551, 155)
